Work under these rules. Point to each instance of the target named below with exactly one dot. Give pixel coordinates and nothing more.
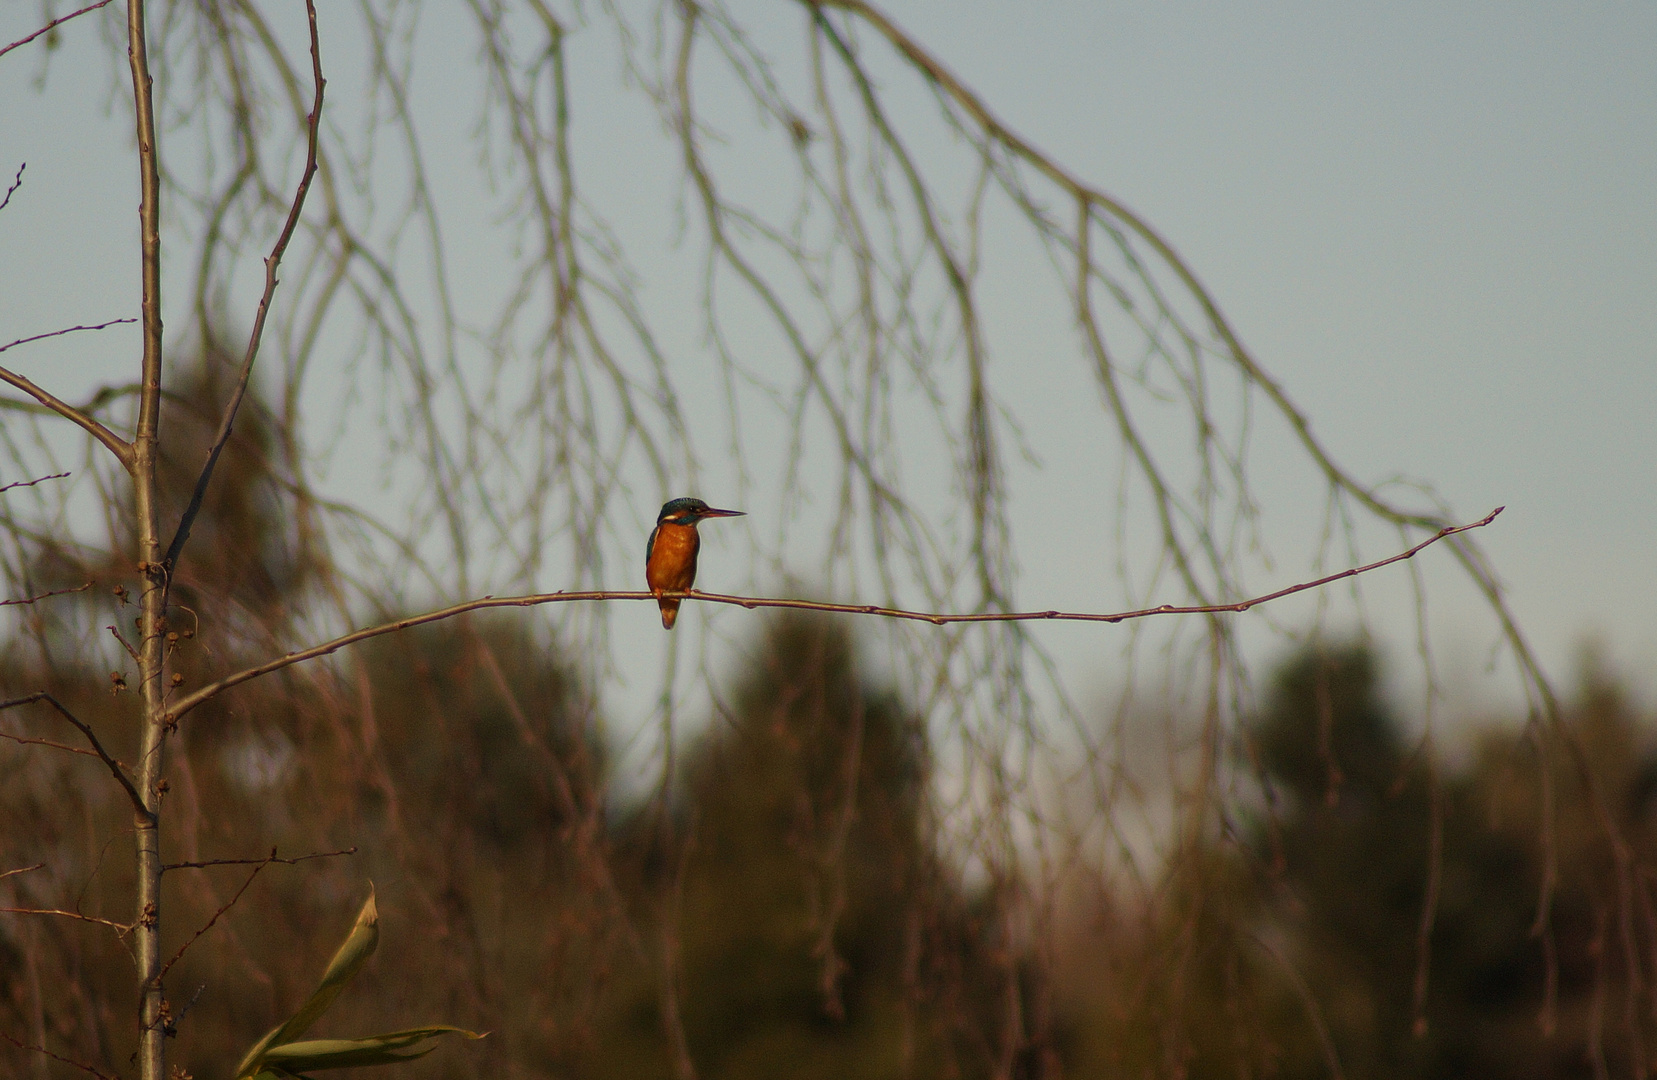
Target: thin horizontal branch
(271, 858)
(71, 1062)
(113, 442)
(115, 768)
(122, 927)
(211, 690)
(65, 330)
(24, 740)
(44, 595)
(46, 29)
(226, 906)
(32, 483)
(20, 870)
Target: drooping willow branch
(179, 708)
(1095, 206)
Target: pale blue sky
(1435, 224)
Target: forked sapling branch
(272, 262)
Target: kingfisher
(670, 553)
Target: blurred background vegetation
(786, 901)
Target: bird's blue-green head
(690, 511)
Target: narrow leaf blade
(385, 1049)
(353, 952)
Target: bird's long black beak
(711, 512)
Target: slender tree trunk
(152, 611)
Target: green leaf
(358, 946)
(386, 1049)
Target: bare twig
(36, 480)
(20, 870)
(16, 183)
(115, 768)
(113, 442)
(116, 634)
(46, 29)
(271, 858)
(116, 445)
(272, 261)
(65, 330)
(172, 1028)
(52, 743)
(121, 927)
(226, 906)
(44, 595)
(190, 701)
(33, 1049)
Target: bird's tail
(670, 611)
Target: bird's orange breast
(672, 562)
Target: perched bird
(670, 554)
